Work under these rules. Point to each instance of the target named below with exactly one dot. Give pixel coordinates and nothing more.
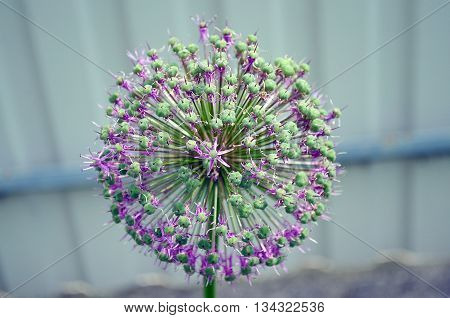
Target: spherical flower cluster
(217, 162)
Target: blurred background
(395, 139)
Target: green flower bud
(147, 239)
(245, 210)
(163, 257)
(173, 40)
(129, 220)
(184, 222)
(192, 184)
(222, 62)
(302, 86)
(220, 44)
(331, 155)
(145, 198)
(189, 269)
(172, 71)
(289, 205)
(304, 234)
(247, 236)
(281, 242)
(283, 94)
(109, 111)
(253, 88)
(337, 112)
(191, 144)
(232, 241)
(272, 261)
(184, 173)
(184, 104)
(252, 38)
(182, 258)
(301, 179)
(284, 136)
(192, 48)
(221, 230)
(280, 193)
(229, 105)
(179, 209)
(169, 230)
(236, 200)
(248, 122)
(267, 68)
(320, 208)
(134, 191)
(235, 178)
(202, 218)
(247, 250)
(247, 270)
(191, 117)
(124, 127)
(216, 123)
(163, 110)
(213, 258)
(181, 239)
(305, 218)
(291, 127)
(143, 124)
(310, 196)
(250, 142)
(210, 89)
(269, 119)
(209, 271)
(149, 208)
(228, 116)
(285, 148)
(143, 142)
(187, 87)
(263, 232)
(231, 79)
(204, 244)
(269, 85)
(118, 147)
(114, 209)
(229, 278)
(315, 101)
(135, 170)
(253, 261)
(227, 90)
(260, 203)
(248, 78)
(304, 67)
(312, 113)
(138, 68)
(240, 47)
(163, 138)
(273, 159)
(214, 38)
(177, 47)
(157, 64)
(287, 69)
(317, 125)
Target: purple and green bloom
(217, 162)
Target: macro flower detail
(216, 161)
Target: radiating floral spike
(217, 162)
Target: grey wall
(49, 96)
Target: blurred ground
(383, 280)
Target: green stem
(209, 288)
(209, 283)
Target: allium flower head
(217, 161)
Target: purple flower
(219, 162)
